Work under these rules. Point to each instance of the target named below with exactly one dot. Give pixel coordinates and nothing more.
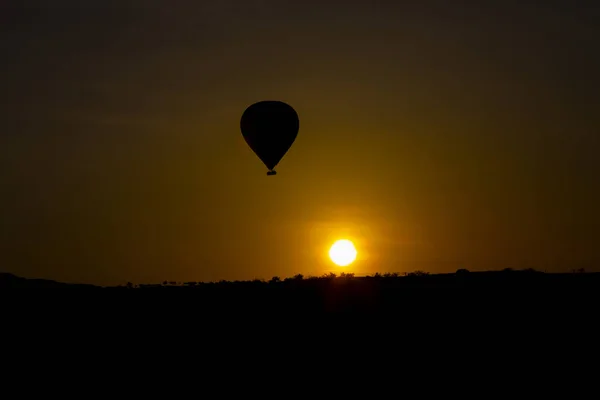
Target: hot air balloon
(270, 128)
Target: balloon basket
(271, 173)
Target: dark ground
(460, 292)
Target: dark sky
(435, 134)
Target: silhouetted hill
(10, 281)
(462, 290)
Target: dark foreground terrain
(526, 291)
(523, 322)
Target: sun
(343, 252)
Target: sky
(436, 135)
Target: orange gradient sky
(436, 137)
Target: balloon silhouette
(270, 128)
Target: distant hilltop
(438, 296)
(417, 278)
(12, 281)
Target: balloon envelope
(270, 128)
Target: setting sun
(343, 252)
